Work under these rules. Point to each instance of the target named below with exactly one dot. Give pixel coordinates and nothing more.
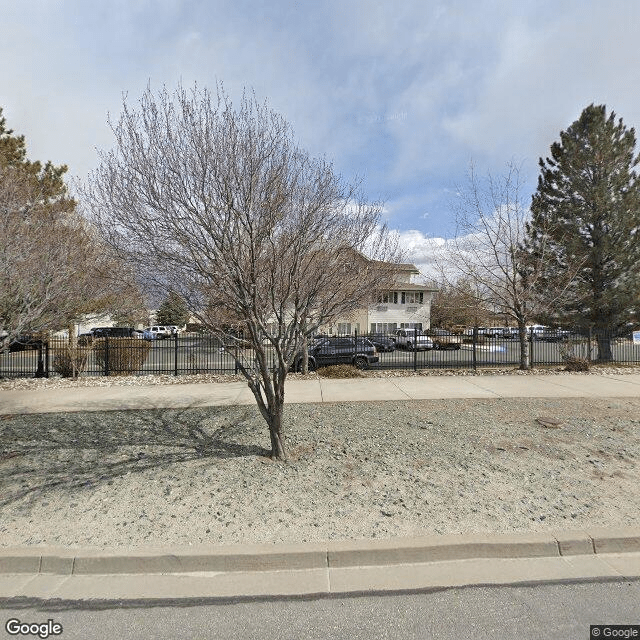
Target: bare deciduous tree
(457, 306)
(52, 266)
(51, 269)
(221, 206)
(488, 252)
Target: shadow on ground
(41, 452)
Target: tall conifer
(588, 203)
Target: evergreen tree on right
(588, 204)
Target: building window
(383, 327)
(411, 325)
(344, 328)
(412, 297)
(390, 297)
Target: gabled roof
(407, 286)
(405, 267)
(399, 266)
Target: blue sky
(402, 95)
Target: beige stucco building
(407, 305)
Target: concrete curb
(315, 570)
(295, 557)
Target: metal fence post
(40, 368)
(530, 339)
(474, 342)
(415, 348)
(175, 352)
(106, 355)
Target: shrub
(572, 360)
(70, 362)
(340, 371)
(575, 363)
(126, 355)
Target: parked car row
(156, 332)
(86, 339)
(410, 339)
(535, 331)
(505, 333)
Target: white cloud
(401, 94)
(420, 250)
(547, 71)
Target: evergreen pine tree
(588, 203)
(47, 181)
(173, 310)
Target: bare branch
(220, 205)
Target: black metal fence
(193, 353)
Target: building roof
(399, 266)
(406, 286)
(408, 267)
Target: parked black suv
(343, 350)
(115, 332)
(23, 343)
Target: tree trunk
(73, 350)
(604, 345)
(305, 355)
(278, 449)
(269, 395)
(276, 410)
(73, 336)
(525, 361)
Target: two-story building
(406, 306)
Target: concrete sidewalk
(321, 390)
(353, 566)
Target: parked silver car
(413, 339)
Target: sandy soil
(358, 470)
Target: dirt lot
(357, 470)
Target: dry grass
(340, 371)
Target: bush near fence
(70, 362)
(121, 356)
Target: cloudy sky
(402, 95)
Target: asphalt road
(542, 612)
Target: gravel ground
(360, 470)
(55, 382)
